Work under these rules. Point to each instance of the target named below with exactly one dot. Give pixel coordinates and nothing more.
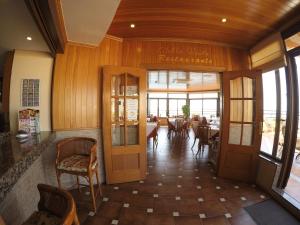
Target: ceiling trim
(114, 38)
(81, 44)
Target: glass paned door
(242, 115)
(124, 123)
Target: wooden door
(124, 123)
(241, 125)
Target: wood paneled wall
(183, 55)
(76, 99)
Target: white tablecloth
(150, 127)
(213, 131)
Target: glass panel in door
(132, 110)
(242, 111)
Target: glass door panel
(236, 90)
(132, 86)
(242, 111)
(248, 110)
(235, 131)
(236, 110)
(117, 134)
(247, 134)
(248, 85)
(117, 85)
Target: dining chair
(171, 128)
(56, 206)
(203, 132)
(78, 156)
(194, 129)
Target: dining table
(214, 128)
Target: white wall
(31, 65)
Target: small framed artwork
(30, 92)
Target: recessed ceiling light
(132, 25)
(224, 20)
(29, 38)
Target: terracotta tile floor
(179, 189)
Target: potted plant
(186, 111)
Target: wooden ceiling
(248, 21)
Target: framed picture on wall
(30, 93)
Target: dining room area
(186, 106)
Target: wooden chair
(154, 136)
(56, 206)
(78, 156)
(171, 128)
(195, 130)
(203, 132)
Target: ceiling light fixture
(132, 25)
(224, 20)
(29, 38)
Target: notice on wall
(132, 106)
(30, 92)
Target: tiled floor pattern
(179, 189)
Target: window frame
(275, 147)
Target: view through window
(170, 104)
(274, 112)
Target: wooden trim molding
(45, 15)
(114, 37)
(6, 80)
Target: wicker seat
(77, 156)
(56, 207)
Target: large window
(170, 104)
(274, 112)
(204, 104)
(164, 80)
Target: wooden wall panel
(76, 102)
(182, 55)
(77, 84)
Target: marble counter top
(16, 157)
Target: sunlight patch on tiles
(149, 210)
(175, 213)
(114, 222)
(202, 216)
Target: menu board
(132, 106)
(30, 92)
(29, 120)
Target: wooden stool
(78, 156)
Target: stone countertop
(16, 157)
